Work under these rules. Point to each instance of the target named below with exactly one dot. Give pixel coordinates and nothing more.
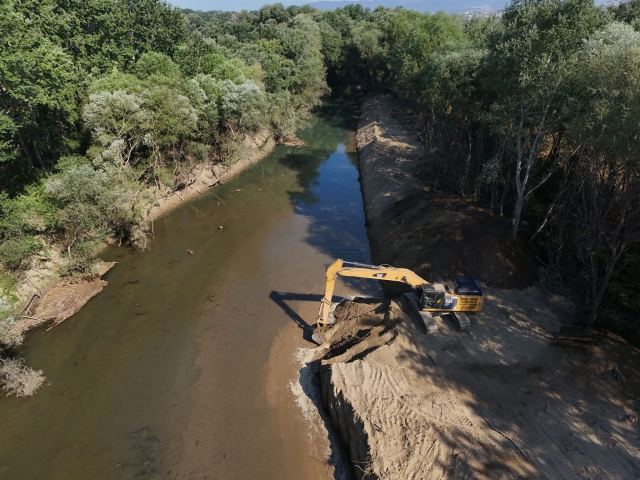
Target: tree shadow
(329, 194)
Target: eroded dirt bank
(518, 395)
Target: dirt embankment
(48, 298)
(438, 235)
(206, 175)
(518, 395)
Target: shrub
(25, 214)
(93, 202)
(16, 253)
(81, 258)
(18, 379)
(10, 336)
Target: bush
(93, 202)
(27, 214)
(16, 253)
(10, 336)
(81, 258)
(18, 379)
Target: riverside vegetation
(533, 114)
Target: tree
(526, 71)
(628, 12)
(7, 145)
(605, 193)
(241, 106)
(118, 122)
(448, 89)
(38, 87)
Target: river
(181, 367)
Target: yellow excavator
(463, 296)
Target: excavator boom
(433, 297)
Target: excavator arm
(361, 270)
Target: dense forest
(534, 114)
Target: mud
(520, 394)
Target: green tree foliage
(628, 12)
(526, 72)
(605, 194)
(38, 87)
(91, 201)
(278, 49)
(99, 97)
(49, 50)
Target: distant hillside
(451, 6)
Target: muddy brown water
(181, 367)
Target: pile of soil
(438, 235)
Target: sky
(253, 4)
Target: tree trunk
(525, 168)
(600, 288)
(517, 214)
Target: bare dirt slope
(436, 234)
(518, 395)
(510, 398)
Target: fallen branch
(506, 437)
(25, 309)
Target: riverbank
(47, 297)
(520, 394)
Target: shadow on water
(281, 299)
(330, 195)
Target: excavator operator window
(431, 297)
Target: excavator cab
(464, 296)
(432, 296)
